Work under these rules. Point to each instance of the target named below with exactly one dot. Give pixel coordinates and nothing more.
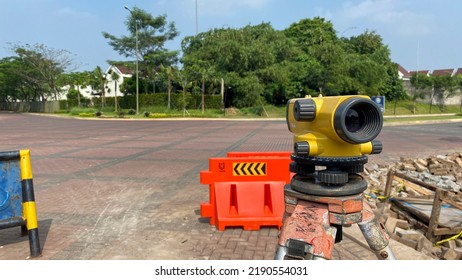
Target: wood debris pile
(423, 178)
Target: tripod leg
(375, 235)
(307, 234)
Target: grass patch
(406, 107)
(425, 118)
(87, 115)
(76, 111)
(261, 111)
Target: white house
(455, 98)
(115, 75)
(403, 73)
(112, 87)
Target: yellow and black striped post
(28, 202)
(28, 221)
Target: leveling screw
(384, 254)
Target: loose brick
(458, 242)
(440, 172)
(413, 193)
(409, 242)
(449, 254)
(404, 224)
(390, 224)
(420, 167)
(424, 245)
(450, 244)
(408, 167)
(459, 253)
(409, 234)
(422, 162)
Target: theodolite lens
(358, 120)
(353, 120)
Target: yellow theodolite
(334, 126)
(332, 136)
(335, 132)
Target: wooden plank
(434, 217)
(449, 217)
(389, 183)
(412, 220)
(416, 200)
(415, 181)
(415, 212)
(414, 186)
(450, 201)
(433, 196)
(447, 231)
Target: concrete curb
(386, 123)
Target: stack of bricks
(444, 171)
(437, 166)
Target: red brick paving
(130, 189)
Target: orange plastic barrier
(246, 189)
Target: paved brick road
(124, 189)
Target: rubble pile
(442, 171)
(401, 231)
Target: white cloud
(393, 14)
(224, 7)
(252, 3)
(71, 13)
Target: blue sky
(421, 34)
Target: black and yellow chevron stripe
(249, 169)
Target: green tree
(170, 74)
(252, 54)
(444, 87)
(14, 82)
(152, 33)
(322, 50)
(259, 62)
(421, 82)
(370, 65)
(98, 81)
(459, 84)
(367, 43)
(312, 32)
(46, 65)
(78, 80)
(202, 71)
(115, 77)
(393, 89)
(358, 65)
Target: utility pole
(136, 67)
(197, 22)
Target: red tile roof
(443, 72)
(458, 72)
(424, 72)
(124, 69)
(403, 71)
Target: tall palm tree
(115, 77)
(100, 82)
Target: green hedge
(71, 103)
(192, 101)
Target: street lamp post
(136, 67)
